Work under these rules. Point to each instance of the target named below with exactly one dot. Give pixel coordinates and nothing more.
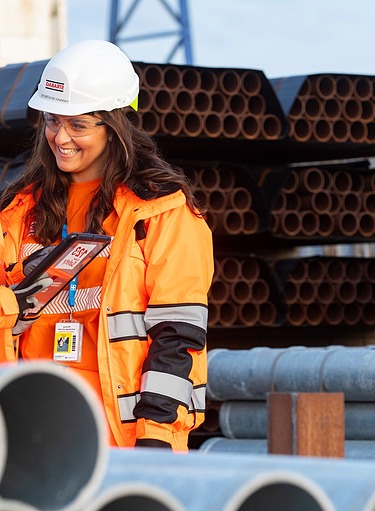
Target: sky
(279, 37)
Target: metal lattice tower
(178, 14)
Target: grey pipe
(3, 444)
(249, 419)
(134, 496)
(354, 449)
(56, 438)
(251, 374)
(210, 483)
(228, 482)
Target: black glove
(26, 300)
(35, 259)
(25, 297)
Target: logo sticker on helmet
(56, 86)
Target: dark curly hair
(132, 158)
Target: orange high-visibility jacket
(8, 313)
(153, 315)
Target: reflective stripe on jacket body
(153, 316)
(8, 313)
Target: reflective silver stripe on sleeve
(167, 385)
(194, 314)
(126, 325)
(126, 406)
(198, 399)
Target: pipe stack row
(317, 202)
(231, 209)
(314, 201)
(330, 291)
(334, 108)
(204, 102)
(248, 291)
(243, 293)
(239, 398)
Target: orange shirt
(38, 341)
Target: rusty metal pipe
(240, 198)
(209, 80)
(231, 126)
(251, 222)
(251, 83)
(192, 125)
(250, 127)
(209, 178)
(326, 224)
(322, 130)
(268, 313)
(270, 127)
(162, 101)
(340, 130)
(184, 101)
(219, 291)
(296, 314)
(229, 82)
(172, 78)
(231, 269)
(228, 314)
(172, 123)
(344, 87)
(334, 314)
(249, 313)
(151, 122)
(256, 106)
(212, 125)
(250, 269)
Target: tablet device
(62, 264)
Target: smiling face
(81, 156)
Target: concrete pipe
(216, 482)
(56, 437)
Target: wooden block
(306, 424)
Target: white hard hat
(86, 77)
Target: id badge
(68, 341)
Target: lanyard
(73, 283)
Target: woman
(139, 311)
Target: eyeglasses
(74, 126)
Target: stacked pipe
(334, 108)
(240, 396)
(206, 102)
(229, 202)
(330, 291)
(320, 202)
(242, 293)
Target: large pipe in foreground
(261, 370)
(56, 438)
(3, 444)
(215, 482)
(134, 496)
